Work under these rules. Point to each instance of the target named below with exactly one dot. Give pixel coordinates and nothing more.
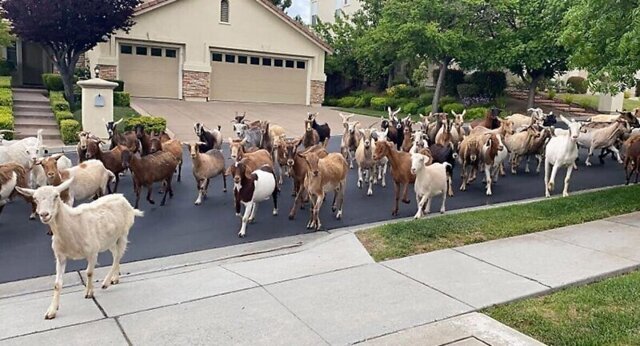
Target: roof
(150, 5)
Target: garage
(243, 77)
(149, 71)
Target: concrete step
(33, 129)
(41, 91)
(29, 98)
(23, 114)
(41, 121)
(29, 107)
(31, 132)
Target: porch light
(96, 71)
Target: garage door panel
(258, 83)
(150, 76)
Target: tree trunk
(67, 67)
(532, 90)
(439, 85)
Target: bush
(428, 109)
(366, 98)
(551, 94)
(331, 102)
(627, 94)
(456, 107)
(52, 82)
(69, 129)
(489, 83)
(150, 124)
(120, 87)
(451, 80)
(347, 101)
(411, 108)
(379, 103)
(577, 85)
(62, 115)
(568, 99)
(57, 106)
(6, 67)
(7, 121)
(121, 99)
(5, 82)
(467, 90)
(6, 97)
(425, 99)
(475, 113)
(402, 91)
(445, 100)
(360, 103)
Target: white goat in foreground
(431, 181)
(561, 151)
(83, 232)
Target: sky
(302, 8)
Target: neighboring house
(326, 10)
(30, 62)
(200, 50)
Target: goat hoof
(224, 190)
(50, 315)
(88, 296)
(240, 235)
(406, 201)
(333, 208)
(105, 286)
(197, 203)
(152, 201)
(291, 217)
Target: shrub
(551, 94)
(62, 115)
(627, 94)
(331, 102)
(411, 108)
(451, 80)
(52, 82)
(6, 97)
(121, 99)
(467, 90)
(489, 83)
(379, 103)
(425, 99)
(568, 99)
(456, 107)
(475, 113)
(150, 123)
(360, 102)
(7, 121)
(366, 98)
(60, 106)
(6, 67)
(120, 87)
(69, 129)
(445, 100)
(577, 85)
(586, 103)
(402, 91)
(5, 82)
(428, 109)
(347, 101)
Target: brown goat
(12, 175)
(407, 141)
(469, 157)
(400, 170)
(255, 159)
(311, 136)
(173, 146)
(296, 168)
(111, 159)
(149, 169)
(490, 121)
(632, 158)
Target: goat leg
(149, 187)
(136, 189)
(396, 189)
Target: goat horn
(372, 125)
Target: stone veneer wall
(108, 72)
(195, 84)
(317, 92)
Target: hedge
(62, 115)
(121, 99)
(451, 80)
(456, 107)
(411, 108)
(379, 103)
(331, 102)
(578, 84)
(52, 81)
(402, 91)
(425, 99)
(468, 90)
(6, 67)
(347, 102)
(150, 124)
(7, 122)
(6, 97)
(489, 83)
(445, 100)
(69, 129)
(120, 87)
(5, 82)
(475, 113)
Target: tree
(68, 28)
(605, 37)
(282, 4)
(528, 40)
(6, 38)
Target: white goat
(364, 158)
(431, 181)
(561, 151)
(23, 152)
(350, 138)
(83, 232)
(492, 155)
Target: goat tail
(138, 213)
(448, 167)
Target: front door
(34, 63)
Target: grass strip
(603, 313)
(419, 236)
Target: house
(327, 10)
(30, 62)
(203, 50)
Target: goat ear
(25, 192)
(463, 112)
(243, 141)
(57, 156)
(230, 140)
(65, 185)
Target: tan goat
(206, 166)
(364, 158)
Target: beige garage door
(149, 71)
(252, 78)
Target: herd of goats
(421, 153)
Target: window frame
(146, 50)
(223, 19)
(231, 57)
(256, 59)
(243, 59)
(128, 46)
(174, 53)
(214, 56)
(277, 62)
(155, 49)
(301, 62)
(293, 63)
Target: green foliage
(120, 87)
(467, 90)
(347, 101)
(52, 82)
(568, 99)
(411, 108)
(379, 103)
(5, 82)
(62, 115)
(577, 85)
(451, 80)
(6, 67)
(365, 98)
(627, 94)
(6, 37)
(456, 107)
(402, 91)
(446, 100)
(69, 129)
(475, 113)
(428, 109)
(331, 102)
(551, 94)
(489, 83)
(6, 97)
(150, 124)
(121, 99)
(7, 122)
(60, 106)
(420, 74)
(425, 99)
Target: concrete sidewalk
(326, 291)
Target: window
(170, 53)
(230, 58)
(156, 51)
(290, 63)
(255, 60)
(216, 56)
(300, 64)
(278, 62)
(266, 61)
(141, 50)
(126, 49)
(242, 59)
(12, 55)
(224, 11)
(314, 19)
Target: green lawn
(603, 313)
(118, 113)
(418, 236)
(591, 101)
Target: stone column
(610, 103)
(317, 93)
(97, 105)
(195, 85)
